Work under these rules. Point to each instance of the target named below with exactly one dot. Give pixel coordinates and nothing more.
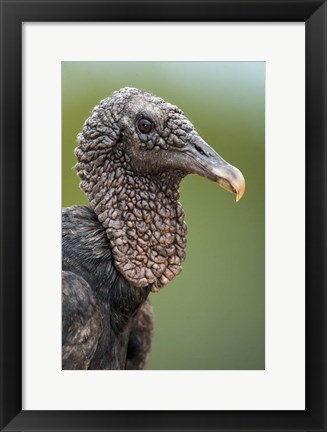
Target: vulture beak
(204, 161)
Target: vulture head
(133, 152)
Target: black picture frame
(13, 14)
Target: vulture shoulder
(82, 322)
(90, 287)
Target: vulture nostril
(200, 150)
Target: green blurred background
(212, 316)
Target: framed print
(154, 93)
(201, 322)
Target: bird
(132, 154)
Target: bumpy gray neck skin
(141, 214)
(144, 222)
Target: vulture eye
(145, 126)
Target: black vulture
(132, 154)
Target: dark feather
(98, 303)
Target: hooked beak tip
(239, 196)
(231, 179)
(241, 190)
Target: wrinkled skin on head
(133, 152)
